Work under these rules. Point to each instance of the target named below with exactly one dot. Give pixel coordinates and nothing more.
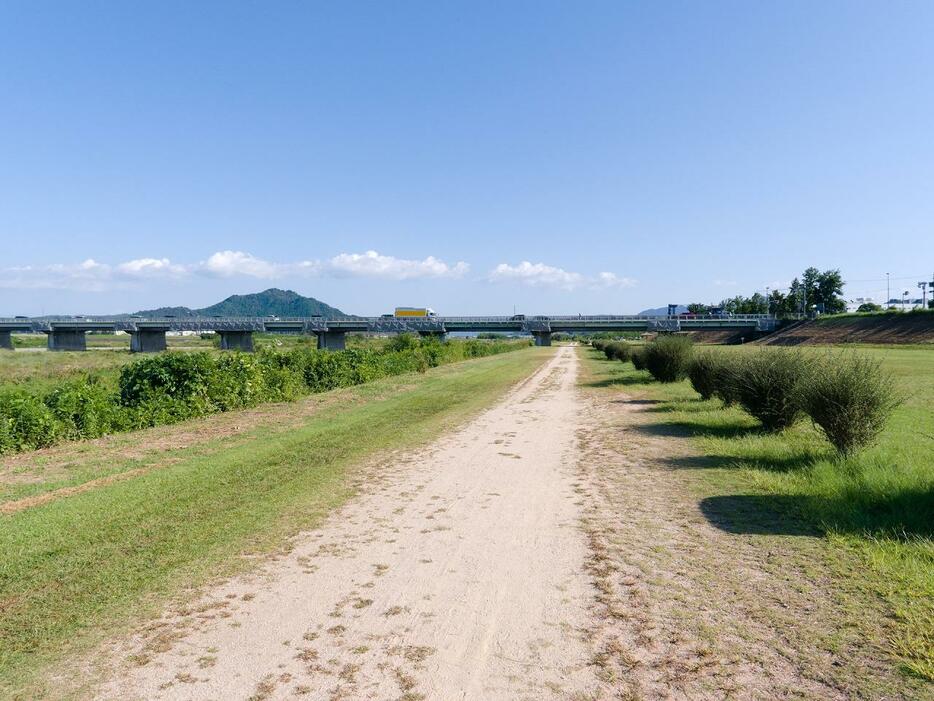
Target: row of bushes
(849, 397)
(174, 386)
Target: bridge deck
(529, 324)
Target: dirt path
(459, 575)
(557, 547)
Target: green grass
(878, 504)
(82, 567)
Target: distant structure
(236, 333)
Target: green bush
(403, 341)
(184, 377)
(668, 357)
(768, 385)
(598, 344)
(705, 371)
(174, 386)
(637, 356)
(725, 379)
(617, 350)
(85, 408)
(850, 399)
(26, 422)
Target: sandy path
(458, 574)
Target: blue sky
(553, 157)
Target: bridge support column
(331, 340)
(542, 338)
(147, 341)
(236, 340)
(6, 340)
(67, 340)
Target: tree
(756, 304)
(697, 308)
(828, 293)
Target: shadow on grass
(757, 514)
(904, 515)
(774, 463)
(687, 406)
(619, 381)
(682, 429)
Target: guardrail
(315, 323)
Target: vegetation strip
(72, 570)
(877, 503)
(171, 387)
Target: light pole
(888, 293)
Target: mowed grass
(82, 567)
(878, 504)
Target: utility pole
(924, 294)
(888, 294)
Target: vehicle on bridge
(414, 312)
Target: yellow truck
(413, 312)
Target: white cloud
(97, 277)
(613, 280)
(536, 274)
(150, 267)
(231, 263)
(541, 275)
(372, 264)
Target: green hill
(271, 302)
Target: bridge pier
(67, 340)
(331, 340)
(542, 338)
(147, 341)
(236, 340)
(6, 340)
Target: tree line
(814, 292)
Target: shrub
(668, 357)
(768, 383)
(637, 356)
(85, 408)
(184, 377)
(403, 341)
(26, 422)
(174, 386)
(598, 344)
(725, 379)
(850, 400)
(617, 350)
(704, 372)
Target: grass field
(76, 569)
(878, 505)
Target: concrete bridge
(236, 333)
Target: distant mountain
(662, 311)
(271, 302)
